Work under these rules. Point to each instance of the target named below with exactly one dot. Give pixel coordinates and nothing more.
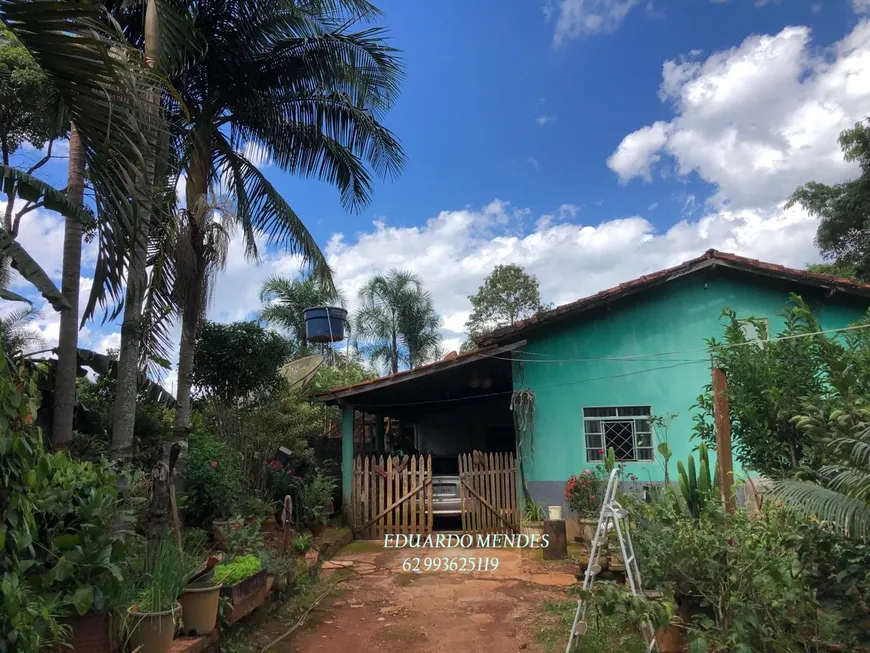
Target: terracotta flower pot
(153, 631)
(199, 607)
(90, 633)
(671, 639)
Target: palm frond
(29, 269)
(260, 207)
(849, 515)
(101, 83)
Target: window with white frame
(625, 428)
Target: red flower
(213, 464)
(633, 477)
(601, 451)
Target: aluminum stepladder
(613, 516)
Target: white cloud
(256, 154)
(575, 18)
(861, 6)
(544, 119)
(638, 152)
(455, 250)
(532, 161)
(759, 119)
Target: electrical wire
(630, 357)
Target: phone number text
(449, 564)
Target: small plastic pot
(199, 607)
(153, 631)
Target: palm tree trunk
(394, 355)
(68, 337)
(124, 417)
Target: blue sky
(590, 141)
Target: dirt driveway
(389, 610)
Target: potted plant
(84, 526)
(199, 607)
(277, 568)
(583, 494)
(314, 496)
(244, 584)
(152, 617)
(533, 517)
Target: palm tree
(199, 252)
(396, 321)
(286, 299)
(16, 336)
(841, 494)
(294, 83)
(68, 334)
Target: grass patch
(361, 546)
(604, 635)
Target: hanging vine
(523, 408)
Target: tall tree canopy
(508, 294)
(396, 322)
(238, 361)
(844, 232)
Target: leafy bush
(238, 570)
(83, 526)
(27, 621)
(697, 487)
(732, 579)
(213, 482)
(585, 492)
(303, 542)
(315, 495)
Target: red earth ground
(385, 609)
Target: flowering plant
(584, 493)
(280, 480)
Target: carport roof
(427, 381)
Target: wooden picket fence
(392, 495)
(488, 486)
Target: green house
(587, 375)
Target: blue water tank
(325, 323)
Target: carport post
(347, 413)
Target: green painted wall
(674, 318)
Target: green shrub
(238, 570)
(732, 578)
(314, 495)
(213, 483)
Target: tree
(843, 236)
(238, 362)
(16, 334)
(285, 301)
(294, 84)
(68, 334)
(396, 321)
(769, 384)
(508, 294)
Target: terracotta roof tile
(710, 257)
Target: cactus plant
(697, 486)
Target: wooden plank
(382, 495)
(413, 503)
(462, 516)
(429, 500)
(367, 492)
(392, 506)
(405, 508)
(487, 504)
(512, 483)
(489, 488)
(499, 465)
(478, 487)
(391, 482)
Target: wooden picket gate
(392, 495)
(488, 487)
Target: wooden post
(722, 419)
(558, 539)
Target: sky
(589, 141)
